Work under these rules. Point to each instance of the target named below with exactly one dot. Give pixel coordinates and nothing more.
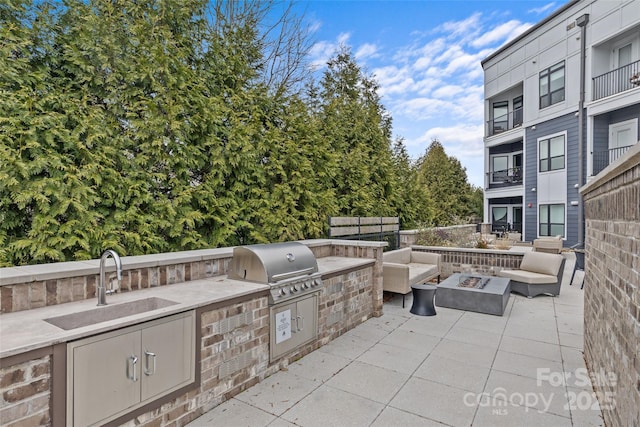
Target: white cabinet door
(106, 378)
(167, 356)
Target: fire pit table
(473, 292)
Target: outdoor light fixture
(533, 189)
(533, 127)
(574, 203)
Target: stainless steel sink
(108, 312)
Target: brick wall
(25, 390)
(483, 261)
(26, 296)
(36, 294)
(611, 286)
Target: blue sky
(426, 56)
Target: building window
(499, 218)
(552, 85)
(552, 154)
(517, 111)
(500, 116)
(551, 220)
(500, 168)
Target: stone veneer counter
(27, 330)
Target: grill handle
(302, 272)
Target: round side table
(423, 297)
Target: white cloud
(498, 34)
(543, 9)
(465, 29)
(322, 51)
(462, 140)
(447, 91)
(366, 50)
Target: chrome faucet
(102, 290)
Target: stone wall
(482, 261)
(611, 286)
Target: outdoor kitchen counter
(27, 330)
(332, 265)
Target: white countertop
(27, 330)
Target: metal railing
(505, 122)
(602, 159)
(616, 81)
(505, 178)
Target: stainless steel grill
(290, 269)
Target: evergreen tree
(358, 129)
(446, 181)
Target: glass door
(516, 215)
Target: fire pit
(476, 282)
(464, 292)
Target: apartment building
(562, 102)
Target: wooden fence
(381, 228)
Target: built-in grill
(289, 268)
(291, 271)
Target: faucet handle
(113, 288)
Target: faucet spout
(102, 290)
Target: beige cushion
(540, 262)
(419, 273)
(400, 256)
(402, 268)
(425, 258)
(528, 277)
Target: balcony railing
(505, 178)
(504, 122)
(602, 159)
(616, 81)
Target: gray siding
(568, 123)
(601, 124)
(601, 133)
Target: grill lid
(272, 263)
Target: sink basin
(108, 312)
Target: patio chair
(405, 267)
(539, 273)
(578, 249)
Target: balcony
(602, 159)
(505, 122)
(616, 81)
(505, 178)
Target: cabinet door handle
(147, 356)
(299, 320)
(132, 373)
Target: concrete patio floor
(456, 368)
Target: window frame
(547, 99)
(549, 224)
(502, 118)
(549, 158)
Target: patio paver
(456, 368)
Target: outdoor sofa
(402, 268)
(539, 273)
(551, 245)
